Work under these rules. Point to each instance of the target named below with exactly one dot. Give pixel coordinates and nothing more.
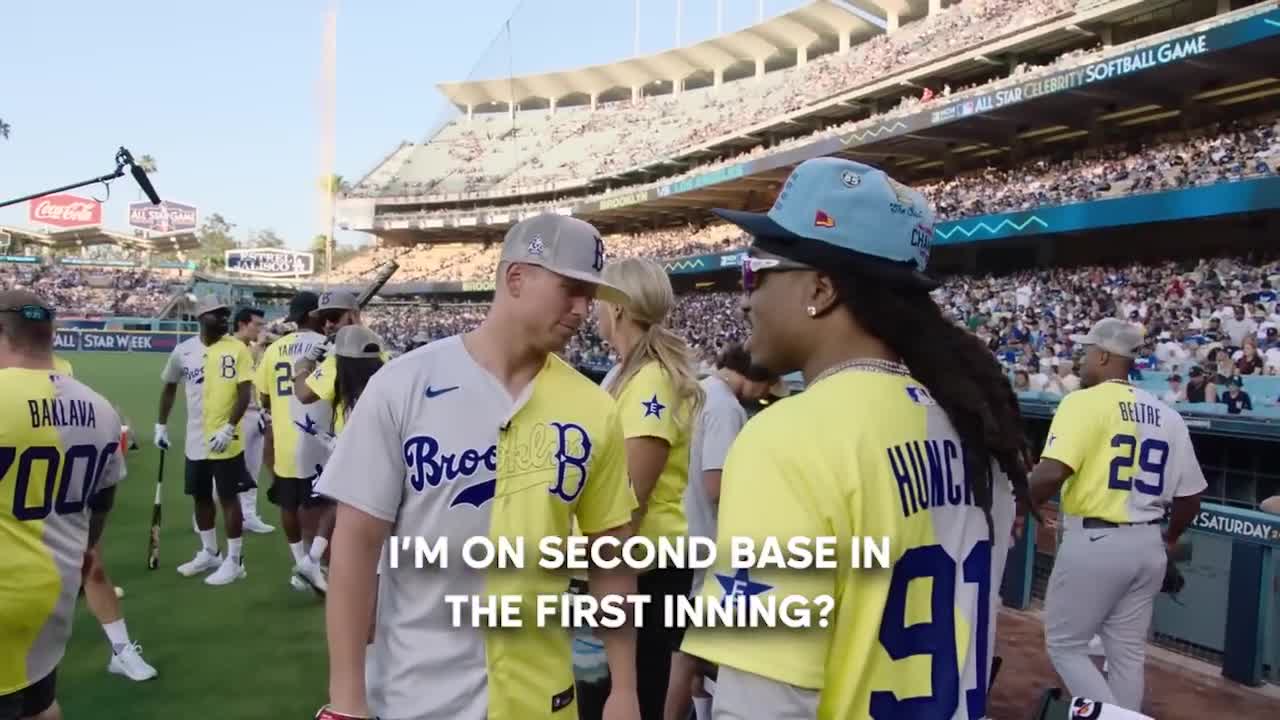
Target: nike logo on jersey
(1096, 539)
(435, 393)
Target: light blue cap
(843, 211)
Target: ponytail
(676, 359)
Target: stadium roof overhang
(1168, 98)
(95, 235)
(820, 25)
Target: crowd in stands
(94, 292)
(1209, 323)
(493, 152)
(1232, 151)
(475, 261)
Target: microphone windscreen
(145, 183)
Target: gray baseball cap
(337, 300)
(210, 304)
(357, 341)
(1114, 336)
(565, 246)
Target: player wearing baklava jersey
(59, 466)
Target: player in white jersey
(1120, 458)
(217, 371)
(59, 467)
(248, 330)
(335, 310)
(735, 381)
(483, 434)
(292, 426)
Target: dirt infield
(1173, 692)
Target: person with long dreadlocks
(907, 430)
(358, 354)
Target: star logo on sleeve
(740, 584)
(653, 407)
(308, 427)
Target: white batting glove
(317, 352)
(162, 436)
(221, 440)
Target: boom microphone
(144, 182)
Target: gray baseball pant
(1104, 583)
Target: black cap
(301, 304)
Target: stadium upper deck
(912, 121)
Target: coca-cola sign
(65, 211)
(166, 217)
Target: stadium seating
(501, 154)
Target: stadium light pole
(679, 19)
(759, 11)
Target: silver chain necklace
(876, 365)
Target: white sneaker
(311, 572)
(129, 663)
(201, 563)
(299, 584)
(254, 524)
(228, 572)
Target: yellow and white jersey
(646, 406)
(62, 366)
(439, 448)
(323, 383)
(1130, 454)
(915, 637)
(294, 426)
(212, 376)
(59, 446)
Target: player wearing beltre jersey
(59, 467)
(484, 434)
(1120, 458)
(217, 372)
(293, 456)
(836, 289)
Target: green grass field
(252, 649)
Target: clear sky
(226, 95)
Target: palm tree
(4, 129)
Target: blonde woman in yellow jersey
(1120, 458)
(59, 467)
(907, 430)
(656, 386)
